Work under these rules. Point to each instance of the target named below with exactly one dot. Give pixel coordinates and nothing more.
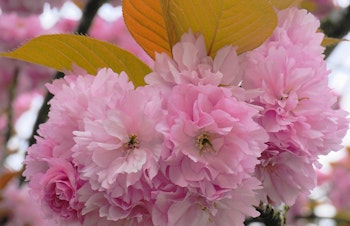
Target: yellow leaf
(63, 51)
(144, 19)
(242, 23)
(283, 4)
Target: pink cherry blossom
(190, 64)
(119, 155)
(211, 132)
(102, 209)
(80, 93)
(187, 208)
(284, 175)
(56, 189)
(296, 98)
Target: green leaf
(145, 21)
(242, 23)
(63, 51)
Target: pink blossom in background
(15, 30)
(25, 7)
(20, 208)
(337, 183)
(7, 71)
(25, 77)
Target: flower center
(203, 143)
(133, 142)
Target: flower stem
(268, 215)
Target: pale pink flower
(290, 70)
(118, 153)
(190, 64)
(187, 208)
(103, 210)
(298, 28)
(284, 175)
(81, 95)
(215, 141)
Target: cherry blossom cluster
(206, 140)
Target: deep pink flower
(56, 190)
(215, 141)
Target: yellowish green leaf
(63, 51)
(327, 41)
(283, 4)
(242, 23)
(145, 21)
